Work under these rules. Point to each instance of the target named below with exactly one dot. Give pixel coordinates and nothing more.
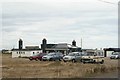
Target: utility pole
(81, 43)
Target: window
(17, 52)
(33, 52)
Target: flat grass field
(24, 68)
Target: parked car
(92, 57)
(74, 57)
(53, 56)
(37, 57)
(115, 55)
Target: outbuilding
(25, 52)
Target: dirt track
(23, 68)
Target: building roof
(48, 45)
(112, 49)
(64, 46)
(32, 47)
(51, 45)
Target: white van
(93, 57)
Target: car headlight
(116, 56)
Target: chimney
(74, 43)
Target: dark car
(37, 57)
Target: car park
(74, 57)
(37, 57)
(92, 57)
(53, 56)
(115, 55)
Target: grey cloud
(58, 23)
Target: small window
(33, 52)
(17, 52)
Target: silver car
(74, 57)
(53, 56)
(115, 55)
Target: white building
(25, 52)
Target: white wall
(109, 53)
(14, 54)
(35, 52)
(25, 53)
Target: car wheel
(30, 59)
(59, 59)
(102, 62)
(94, 61)
(43, 60)
(81, 60)
(64, 61)
(51, 59)
(73, 61)
(84, 62)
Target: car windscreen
(71, 54)
(59, 54)
(115, 53)
(89, 54)
(50, 54)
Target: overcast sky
(96, 22)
